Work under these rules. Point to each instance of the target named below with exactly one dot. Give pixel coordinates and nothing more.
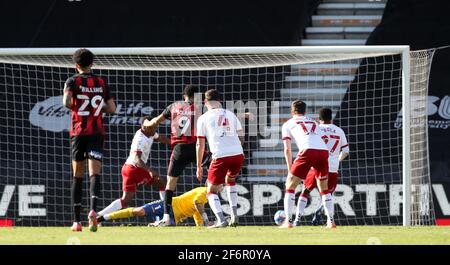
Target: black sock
(100, 219)
(168, 201)
(94, 191)
(77, 188)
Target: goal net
(378, 95)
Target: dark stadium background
(418, 23)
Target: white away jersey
(220, 128)
(305, 132)
(143, 144)
(336, 141)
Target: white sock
(289, 201)
(327, 201)
(114, 206)
(216, 207)
(232, 197)
(301, 204)
(161, 194)
(320, 206)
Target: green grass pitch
(243, 235)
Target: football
(279, 217)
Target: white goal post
(335, 72)
(406, 112)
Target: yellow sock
(125, 213)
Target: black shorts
(87, 146)
(182, 155)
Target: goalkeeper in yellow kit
(189, 204)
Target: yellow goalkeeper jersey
(184, 205)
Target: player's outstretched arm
(157, 120)
(246, 115)
(163, 139)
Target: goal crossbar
(382, 49)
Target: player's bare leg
(232, 199)
(116, 205)
(214, 203)
(327, 201)
(160, 183)
(76, 193)
(94, 190)
(127, 197)
(289, 199)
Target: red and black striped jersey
(89, 93)
(182, 116)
